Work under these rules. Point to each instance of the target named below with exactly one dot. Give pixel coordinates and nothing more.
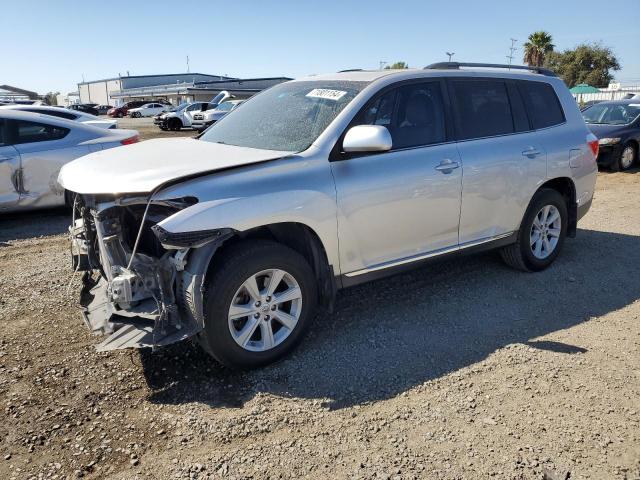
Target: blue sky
(50, 45)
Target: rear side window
(481, 108)
(31, 132)
(542, 104)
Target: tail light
(136, 139)
(592, 141)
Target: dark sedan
(617, 126)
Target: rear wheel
(541, 234)
(258, 302)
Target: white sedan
(59, 112)
(33, 148)
(148, 110)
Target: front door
(397, 205)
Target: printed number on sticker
(326, 93)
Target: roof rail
(457, 65)
(350, 70)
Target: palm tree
(537, 47)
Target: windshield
(224, 107)
(612, 113)
(287, 117)
(182, 106)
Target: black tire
(236, 264)
(619, 165)
(175, 124)
(519, 255)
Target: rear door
(9, 170)
(504, 161)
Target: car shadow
(32, 224)
(390, 335)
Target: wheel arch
(295, 235)
(567, 188)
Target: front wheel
(258, 302)
(542, 233)
(627, 157)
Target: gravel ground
(463, 370)
(148, 130)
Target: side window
(30, 132)
(3, 141)
(520, 118)
(542, 104)
(413, 114)
(481, 108)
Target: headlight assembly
(609, 141)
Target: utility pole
(382, 64)
(511, 50)
(450, 54)
(188, 71)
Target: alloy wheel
(265, 310)
(626, 158)
(545, 232)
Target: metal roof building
(108, 91)
(177, 93)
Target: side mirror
(367, 138)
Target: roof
(153, 75)
(354, 75)
(372, 75)
(20, 91)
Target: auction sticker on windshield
(326, 93)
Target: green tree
(397, 66)
(589, 63)
(537, 47)
(51, 98)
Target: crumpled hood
(141, 167)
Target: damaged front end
(142, 286)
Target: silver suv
(319, 184)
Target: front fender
(311, 208)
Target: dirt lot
(463, 370)
(148, 130)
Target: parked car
(203, 120)
(103, 109)
(33, 148)
(123, 110)
(318, 184)
(74, 115)
(148, 110)
(180, 116)
(617, 126)
(89, 108)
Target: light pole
(451, 54)
(511, 50)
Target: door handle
(447, 165)
(531, 152)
